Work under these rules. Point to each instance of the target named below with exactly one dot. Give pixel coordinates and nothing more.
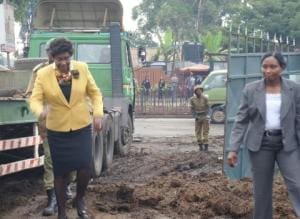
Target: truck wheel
(125, 138)
(217, 115)
(97, 154)
(108, 141)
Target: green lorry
(95, 28)
(214, 86)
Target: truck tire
(125, 138)
(108, 141)
(217, 115)
(97, 154)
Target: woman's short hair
(61, 45)
(278, 56)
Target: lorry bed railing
(77, 14)
(17, 143)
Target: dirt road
(164, 176)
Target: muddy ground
(162, 177)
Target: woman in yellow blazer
(64, 87)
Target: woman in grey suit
(268, 124)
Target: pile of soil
(161, 178)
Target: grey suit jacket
(250, 120)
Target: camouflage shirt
(33, 77)
(42, 122)
(199, 107)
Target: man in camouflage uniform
(199, 108)
(48, 168)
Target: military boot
(205, 147)
(201, 147)
(51, 205)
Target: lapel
(260, 98)
(74, 84)
(286, 94)
(56, 86)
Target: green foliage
(166, 48)
(21, 8)
(272, 16)
(189, 18)
(139, 39)
(212, 41)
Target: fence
(163, 102)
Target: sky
(129, 24)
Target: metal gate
(245, 68)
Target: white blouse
(273, 105)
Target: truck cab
(95, 29)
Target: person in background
(268, 124)
(161, 87)
(174, 85)
(63, 86)
(190, 83)
(199, 79)
(146, 87)
(200, 108)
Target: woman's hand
(232, 158)
(97, 123)
(43, 115)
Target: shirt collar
(71, 66)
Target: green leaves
(212, 41)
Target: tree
(186, 19)
(189, 18)
(212, 41)
(166, 46)
(139, 39)
(158, 16)
(273, 16)
(24, 10)
(21, 8)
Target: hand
(43, 115)
(97, 123)
(232, 158)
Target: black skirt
(70, 150)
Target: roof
(221, 71)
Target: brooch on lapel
(75, 73)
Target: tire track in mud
(167, 178)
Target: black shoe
(201, 148)
(51, 204)
(81, 208)
(64, 216)
(205, 147)
(69, 194)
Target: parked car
(214, 86)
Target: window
(127, 61)
(218, 81)
(43, 53)
(93, 53)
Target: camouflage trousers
(202, 130)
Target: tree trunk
(199, 20)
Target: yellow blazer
(63, 115)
